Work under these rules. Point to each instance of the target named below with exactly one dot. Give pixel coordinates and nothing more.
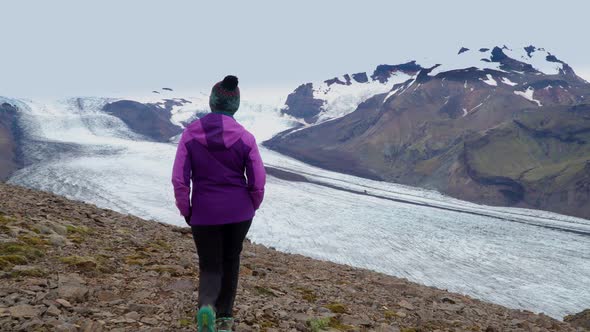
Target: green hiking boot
(224, 324)
(206, 319)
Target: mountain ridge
(435, 129)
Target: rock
(149, 321)
(174, 270)
(581, 319)
(141, 295)
(406, 305)
(84, 311)
(32, 325)
(387, 328)
(57, 240)
(152, 274)
(357, 320)
(72, 288)
(64, 303)
(59, 229)
(73, 293)
(182, 230)
(37, 282)
(66, 327)
(244, 327)
(42, 229)
(24, 311)
(40, 296)
(106, 296)
(132, 315)
(53, 311)
(300, 317)
(450, 307)
(182, 285)
(144, 308)
(104, 314)
(519, 323)
(448, 300)
(71, 279)
(186, 262)
(249, 254)
(28, 270)
(91, 326)
(122, 320)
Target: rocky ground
(69, 266)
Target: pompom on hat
(225, 96)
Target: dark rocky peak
(553, 58)
(508, 63)
(150, 120)
(498, 55)
(360, 77)
(10, 135)
(463, 50)
(423, 74)
(529, 50)
(302, 104)
(7, 108)
(383, 72)
(337, 80)
(167, 89)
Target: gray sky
(112, 47)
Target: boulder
(25, 311)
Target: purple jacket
(214, 152)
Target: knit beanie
(225, 96)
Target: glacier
(525, 259)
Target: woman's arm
(255, 173)
(181, 177)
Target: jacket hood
(216, 130)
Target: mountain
(150, 120)
(70, 266)
(340, 95)
(496, 126)
(9, 134)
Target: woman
(215, 152)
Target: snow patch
(490, 80)
(390, 94)
(528, 94)
(476, 107)
(507, 81)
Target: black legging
(219, 248)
